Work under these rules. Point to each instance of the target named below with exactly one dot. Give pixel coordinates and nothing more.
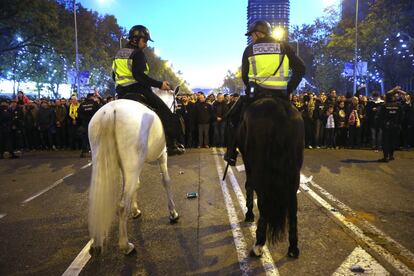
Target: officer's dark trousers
(168, 119)
(389, 138)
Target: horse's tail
(106, 175)
(273, 143)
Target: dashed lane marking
(374, 249)
(87, 165)
(239, 241)
(79, 262)
(2, 215)
(360, 261)
(46, 189)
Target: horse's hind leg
(135, 211)
(293, 250)
(166, 181)
(249, 217)
(131, 172)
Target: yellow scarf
(73, 111)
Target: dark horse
(271, 141)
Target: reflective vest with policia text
(122, 67)
(268, 67)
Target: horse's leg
(293, 250)
(135, 212)
(249, 217)
(166, 181)
(260, 231)
(131, 170)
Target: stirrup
(229, 159)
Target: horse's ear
(177, 89)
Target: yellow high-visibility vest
(122, 67)
(263, 63)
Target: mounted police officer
(130, 72)
(390, 116)
(265, 73)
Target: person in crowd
(60, 124)
(187, 111)
(372, 120)
(219, 111)
(330, 121)
(17, 125)
(354, 124)
(109, 99)
(332, 99)
(307, 111)
(341, 126)
(319, 114)
(5, 130)
(406, 125)
(233, 99)
(73, 123)
(210, 98)
(22, 99)
(364, 138)
(203, 111)
(85, 113)
(130, 73)
(45, 121)
(296, 102)
(31, 127)
(390, 116)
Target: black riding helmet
(260, 26)
(139, 31)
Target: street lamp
(356, 44)
(76, 49)
(278, 33)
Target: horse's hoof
(174, 217)
(129, 249)
(95, 251)
(257, 251)
(249, 217)
(293, 252)
(136, 213)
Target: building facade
(276, 12)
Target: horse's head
(167, 96)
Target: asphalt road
(44, 202)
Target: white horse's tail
(106, 175)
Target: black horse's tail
(274, 150)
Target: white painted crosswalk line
(359, 258)
(80, 261)
(239, 241)
(2, 216)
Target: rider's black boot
(231, 153)
(175, 148)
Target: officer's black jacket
(139, 66)
(86, 111)
(295, 63)
(390, 115)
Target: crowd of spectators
(351, 121)
(42, 124)
(331, 121)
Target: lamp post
(356, 44)
(76, 50)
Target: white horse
(123, 135)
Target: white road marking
(46, 189)
(239, 241)
(2, 215)
(359, 257)
(79, 262)
(359, 235)
(87, 165)
(266, 259)
(240, 168)
(402, 251)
